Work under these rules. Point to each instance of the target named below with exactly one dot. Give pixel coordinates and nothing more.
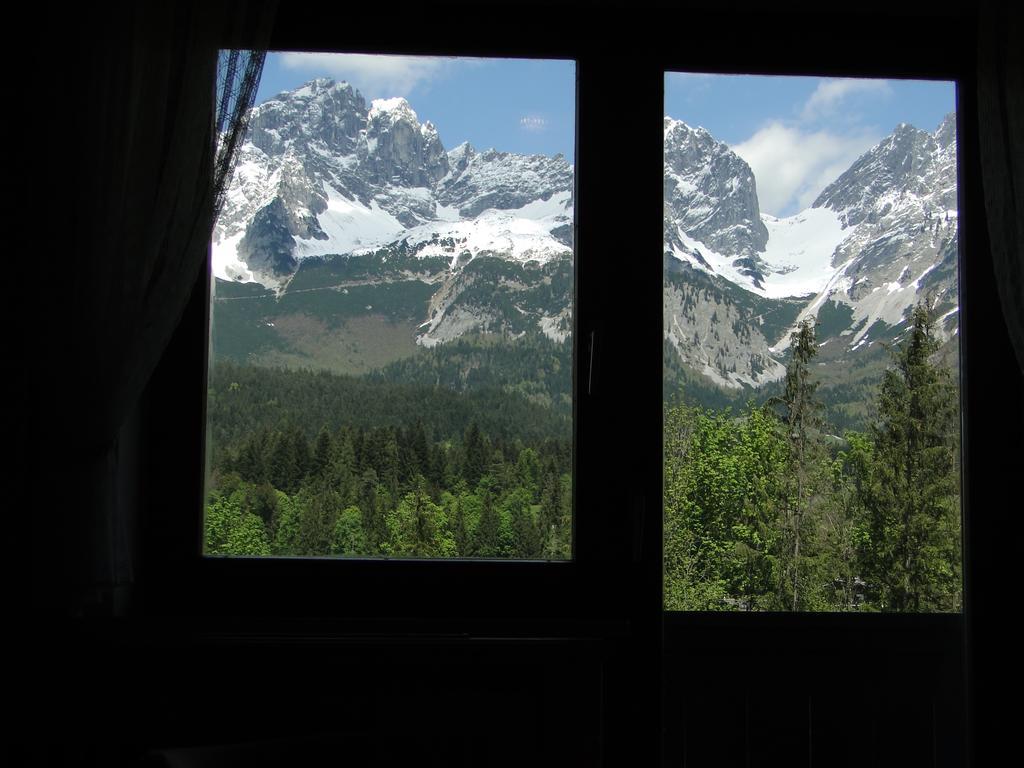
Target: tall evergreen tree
(487, 542)
(319, 510)
(525, 532)
(911, 553)
(550, 504)
(372, 513)
(801, 419)
(474, 455)
(322, 452)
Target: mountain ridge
(431, 222)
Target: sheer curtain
(144, 133)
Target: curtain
(1001, 135)
(140, 134)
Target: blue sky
(523, 106)
(798, 134)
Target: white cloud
(533, 123)
(829, 94)
(372, 74)
(793, 165)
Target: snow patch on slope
(799, 252)
(798, 256)
(523, 234)
(349, 225)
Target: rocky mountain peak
(323, 173)
(710, 195)
(385, 111)
(323, 112)
(396, 149)
(491, 179)
(897, 170)
(945, 134)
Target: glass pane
(392, 313)
(811, 355)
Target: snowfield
(798, 256)
(799, 252)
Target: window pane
(392, 313)
(811, 354)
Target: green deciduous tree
(230, 530)
(722, 484)
(286, 525)
(348, 537)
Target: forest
(765, 508)
(313, 464)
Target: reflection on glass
(812, 458)
(391, 313)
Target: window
(392, 313)
(618, 395)
(812, 427)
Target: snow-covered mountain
(352, 213)
(878, 240)
(711, 205)
(323, 173)
(898, 206)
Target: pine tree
(487, 542)
(372, 513)
(525, 532)
(282, 469)
(802, 422)
(456, 516)
(911, 554)
(322, 452)
(319, 509)
(550, 505)
(474, 455)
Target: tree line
(390, 492)
(765, 510)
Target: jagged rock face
(349, 178)
(710, 194)
(322, 111)
(491, 179)
(890, 242)
(397, 150)
(268, 242)
(302, 196)
(899, 201)
(909, 164)
(715, 336)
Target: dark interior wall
(579, 685)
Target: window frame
(613, 589)
(616, 568)
(485, 592)
(677, 619)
